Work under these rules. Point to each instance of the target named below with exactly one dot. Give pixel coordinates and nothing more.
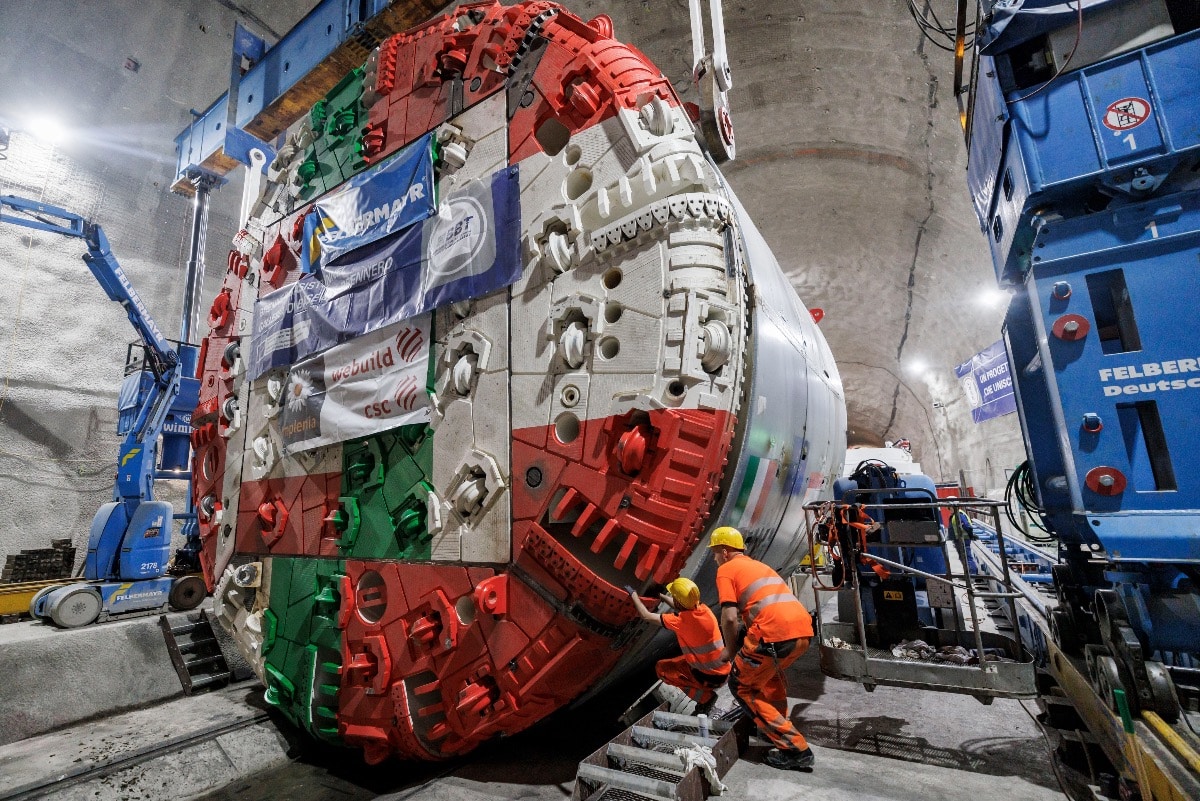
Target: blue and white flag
(987, 383)
(471, 247)
(371, 205)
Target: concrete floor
(889, 744)
(904, 745)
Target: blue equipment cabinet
(911, 537)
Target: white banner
(372, 383)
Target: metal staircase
(640, 762)
(195, 652)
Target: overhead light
(992, 298)
(46, 128)
(916, 366)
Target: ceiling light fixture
(45, 128)
(992, 298)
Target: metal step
(669, 721)
(622, 755)
(610, 778)
(649, 737)
(198, 660)
(640, 763)
(195, 645)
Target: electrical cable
(945, 29)
(825, 520)
(1066, 61)
(1062, 785)
(929, 29)
(1021, 488)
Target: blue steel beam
(281, 83)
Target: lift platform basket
(878, 666)
(891, 645)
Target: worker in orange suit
(778, 632)
(702, 669)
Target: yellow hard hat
(685, 592)
(727, 536)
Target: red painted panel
(457, 674)
(285, 516)
(641, 514)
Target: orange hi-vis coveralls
(778, 630)
(700, 670)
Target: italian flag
(756, 488)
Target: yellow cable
(1171, 736)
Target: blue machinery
(1083, 131)
(130, 540)
(899, 572)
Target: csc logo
(405, 400)
(379, 409)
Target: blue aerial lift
(128, 557)
(1083, 137)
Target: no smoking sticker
(1126, 113)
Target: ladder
(639, 763)
(195, 652)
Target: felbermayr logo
(137, 303)
(1162, 377)
(382, 213)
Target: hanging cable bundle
(939, 35)
(844, 529)
(1023, 490)
(874, 474)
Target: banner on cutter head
(469, 248)
(372, 384)
(987, 383)
(387, 198)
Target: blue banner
(381, 201)
(986, 381)
(471, 247)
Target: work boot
(790, 760)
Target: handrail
(957, 535)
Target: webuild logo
(404, 347)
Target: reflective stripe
(755, 586)
(702, 650)
(697, 656)
(711, 665)
(763, 603)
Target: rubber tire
(37, 596)
(1164, 699)
(1065, 632)
(79, 616)
(187, 592)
